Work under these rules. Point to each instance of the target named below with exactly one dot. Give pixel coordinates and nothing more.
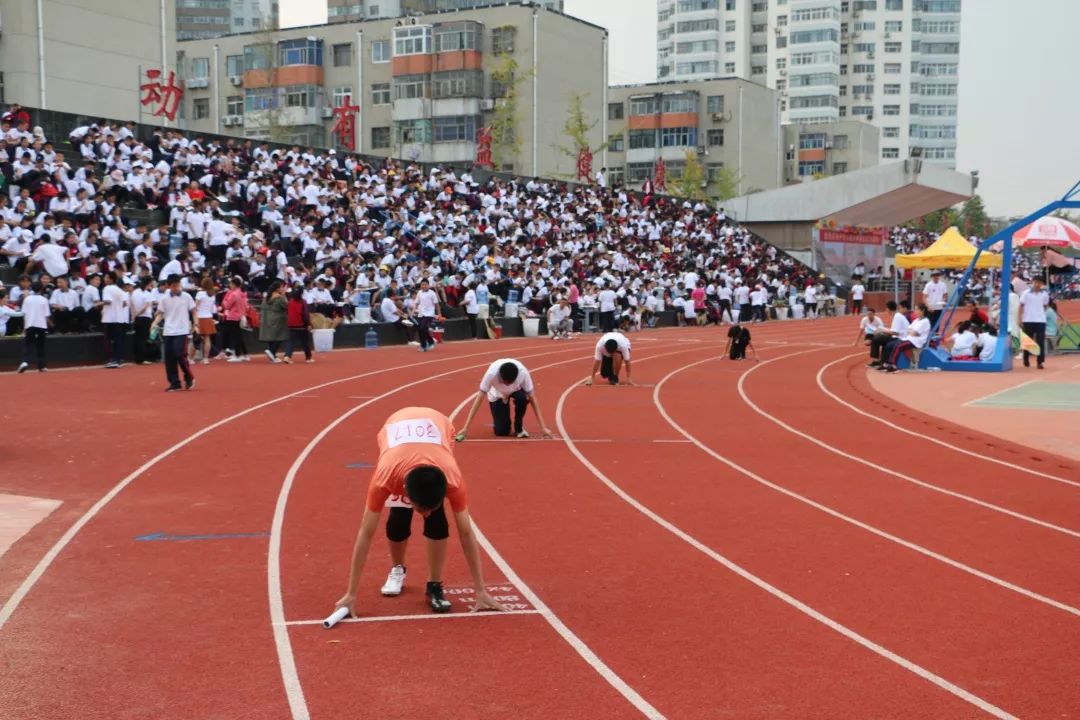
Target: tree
(506, 81)
(576, 129)
(973, 216)
(270, 114)
(691, 184)
(725, 183)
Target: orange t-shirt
(409, 438)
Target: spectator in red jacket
(299, 326)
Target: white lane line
(290, 678)
(846, 518)
(768, 587)
(659, 441)
(881, 468)
(427, 616)
(971, 453)
(24, 588)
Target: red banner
(165, 98)
(345, 123)
(584, 164)
(660, 183)
(483, 147)
(860, 236)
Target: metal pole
(215, 88)
(356, 100)
(536, 94)
(138, 92)
(41, 54)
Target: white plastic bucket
(511, 310)
(324, 340)
(797, 311)
(362, 315)
(531, 326)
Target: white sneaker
(523, 434)
(235, 359)
(394, 581)
(270, 355)
(22, 367)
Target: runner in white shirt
(427, 309)
(612, 354)
(810, 301)
(869, 324)
(176, 316)
(857, 292)
(504, 380)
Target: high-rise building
(338, 11)
(197, 19)
(894, 63)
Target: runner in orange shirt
(417, 471)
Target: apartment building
(197, 19)
(82, 57)
(834, 148)
(726, 122)
(424, 85)
(338, 11)
(894, 63)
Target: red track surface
(914, 602)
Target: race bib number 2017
(413, 431)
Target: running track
(730, 540)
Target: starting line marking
(419, 616)
(529, 439)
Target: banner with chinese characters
(162, 99)
(660, 176)
(345, 124)
(584, 164)
(837, 250)
(483, 147)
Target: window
(380, 94)
(939, 90)
(840, 142)
(380, 137)
(843, 91)
(300, 52)
(234, 105)
(894, 4)
(665, 14)
(939, 153)
(759, 7)
(867, 25)
(939, 6)
(457, 84)
(342, 95)
(413, 131)
(615, 111)
(757, 70)
(200, 67)
(200, 109)
(616, 143)
(781, 41)
(729, 26)
(715, 138)
(939, 132)
(839, 168)
(843, 69)
(373, 11)
(679, 104)
(892, 68)
(302, 96)
(936, 69)
(813, 167)
(234, 65)
(843, 111)
(714, 103)
(336, 11)
(941, 48)
(380, 51)
(890, 153)
(457, 36)
(781, 21)
(256, 99)
(890, 110)
(412, 40)
(638, 172)
(814, 79)
(940, 27)
(813, 36)
(697, 46)
(615, 176)
(759, 27)
(730, 4)
(894, 26)
(692, 5)
(698, 25)
(729, 68)
(863, 68)
(866, 47)
(343, 55)
(890, 132)
(781, 63)
(864, 5)
(892, 89)
(643, 106)
(642, 139)
(759, 49)
(729, 46)
(811, 141)
(867, 110)
(501, 86)
(814, 101)
(818, 13)
(455, 129)
(813, 58)
(713, 172)
(408, 87)
(502, 39)
(894, 47)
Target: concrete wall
(93, 50)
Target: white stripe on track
(847, 632)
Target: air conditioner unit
(828, 146)
(888, 35)
(783, 73)
(227, 121)
(869, 76)
(718, 117)
(197, 83)
(870, 55)
(702, 150)
(328, 112)
(234, 119)
(236, 80)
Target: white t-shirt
(177, 313)
(117, 305)
(36, 312)
(857, 291)
(964, 344)
(935, 293)
(623, 349)
(919, 332)
(389, 310)
(54, 258)
(1033, 306)
(688, 309)
(471, 306)
(988, 343)
(494, 386)
(427, 303)
(204, 305)
(869, 326)
(607, 300)
(810, 296)
(557, 314)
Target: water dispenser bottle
(371, 339)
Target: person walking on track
(36, 321)
(417, 471)
(427, 307)
(176, 316)
(612, 355)
(506, 380)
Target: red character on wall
(166, 98)
(483, 147)
(584, 164)
(660, 184)
(345, 123)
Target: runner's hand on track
(484, 601)
(460, 437)
(588, 383)
(347, 601)
(546, 434)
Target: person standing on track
(934, 294)
(176, 315)
(506, 380)
(417, 471)
(427, 309)
(612, 354)
(1033, 304)
(36, 322)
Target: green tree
(725, 183)
(973, 216)
(506, 80)
(576, 128)
(691, 184)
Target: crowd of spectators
(345, 232)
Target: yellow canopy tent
(950, 251)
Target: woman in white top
(915, 339)
(987, 343)
(205, 304)
(962, 342)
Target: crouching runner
(416, 471)
(506, 380)
(612, 356)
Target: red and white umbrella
(1048, 232)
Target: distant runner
(612, 354)
(506, 380)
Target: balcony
(284, 117)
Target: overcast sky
(1019, 103)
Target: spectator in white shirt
(963, 341)
(506, 380)
(857, 292)
(142, 311)
(176, 316)
(427, 309)
(1033, 303)
(607, 300)
(560, 319)
(934, 295)
(898, 328)
(64, 304)
(115, 316)
(36, 321)
(918, 333)
(869, 325)
(6, 311)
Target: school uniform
(176, 328)
(499, 395)
(36, 312)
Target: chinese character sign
(661, 173)
(483, 147)
(164, 98)
(584, 164)
(345, 123)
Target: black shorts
(399, 524)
